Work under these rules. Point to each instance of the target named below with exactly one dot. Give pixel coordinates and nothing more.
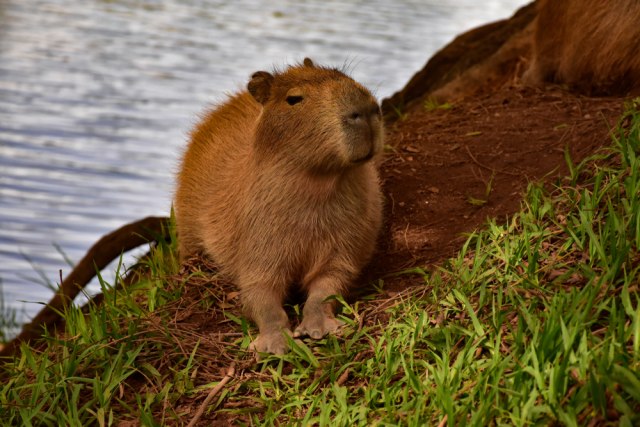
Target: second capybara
(279, 187)
(593, 46)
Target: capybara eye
(293, 100)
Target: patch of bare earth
(450, 169)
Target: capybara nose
(356, 118)
(363, 114)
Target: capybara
(278, 186)
(592, 46)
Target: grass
(432, 104)
(9, 316)
(534, 322)
(487, 192)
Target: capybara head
(317, 117)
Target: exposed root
(211, 395)
(105, 250)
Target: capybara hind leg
(264, 306)
(318, 317)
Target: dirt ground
(449, 169)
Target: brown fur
(495, 71)
(277, 187)
(591, 45)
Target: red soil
(450, 169)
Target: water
(97, 98)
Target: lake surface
(97, 99)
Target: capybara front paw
(273, 342)
(317, 326)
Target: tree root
(105, 250)
(214, 391)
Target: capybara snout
(362, 127)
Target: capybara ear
(260, 86)
(308, 62)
